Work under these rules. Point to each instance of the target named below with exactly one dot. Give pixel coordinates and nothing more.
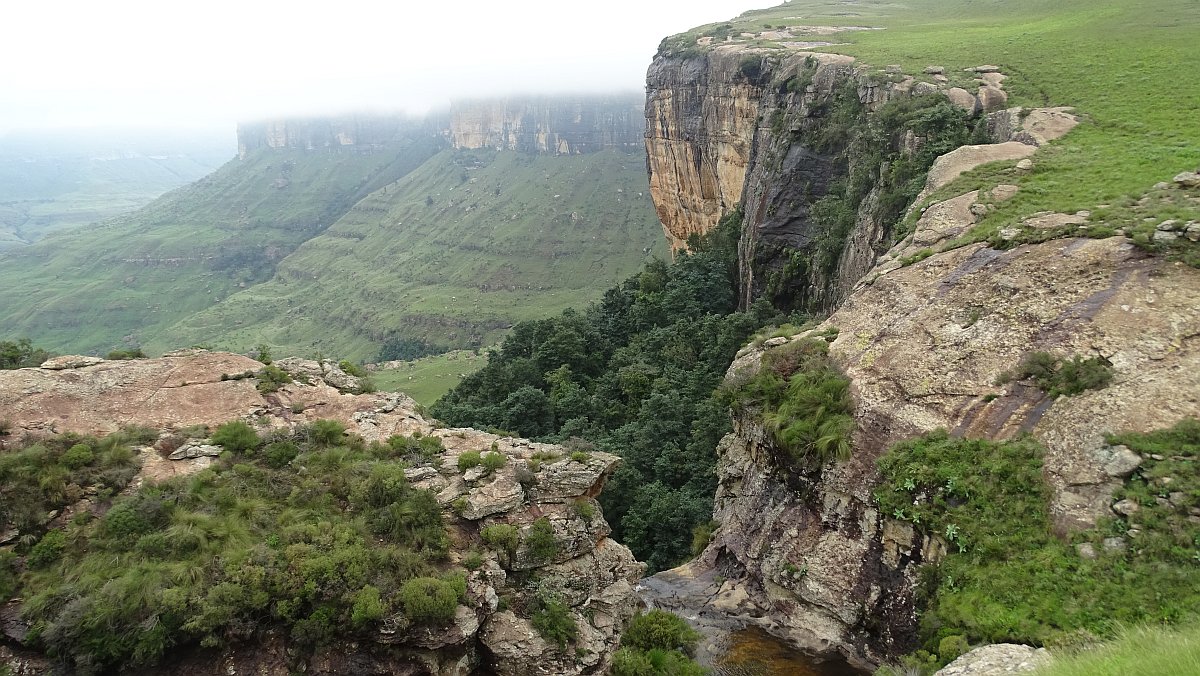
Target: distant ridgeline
(550, 125)
(349, 234)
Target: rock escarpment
(358, 133)
(590, 573)
(549, 125)
(781, 134)
(924, 335)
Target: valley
(910, 386)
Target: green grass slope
(428, 378)
(1140, 650)
(39, 196)
(1123, 65)
(452, 254)
(120, 282)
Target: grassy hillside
(428, 378)
(1121, 64)
(122, 281)
(59, 180)
(452, 254)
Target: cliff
(924, 325)
(360, 133)
(792, 138)
(590, 573)
(553, 125)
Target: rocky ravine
(591, 572)
(923, 344)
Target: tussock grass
(1138, 650)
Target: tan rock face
(923, 345)
(593, 574)
(556, 126)
(701, 116)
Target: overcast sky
(211, 63)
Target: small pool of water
(754, 652)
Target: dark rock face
(739, 125)
(553, 125)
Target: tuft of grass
(1143, 649)
(804, 400)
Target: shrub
(540, 540)
(327, 432)
(805, 401)
(581, 457)
(368, 606)
(1057, 377)
(280, 453)
(271, 378)
(501, 536)
(236, 436)
(494, 461)
(48, 550)
(660, 630)
(584, 509)
(701, 535)
(123, 355)
(951, 647)
(78, 456)
(469, 459)
(473, 560)
(352, 369)
(554, 622)
(1007, 577)
(428, 599)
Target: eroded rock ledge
(590, 572)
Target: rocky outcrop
(923, 334)
(925, 344)
(549, 125)
(589, 572)
(997, 660)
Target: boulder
(996, 660)
(1188, 179)
(963, 99)
(70, 361)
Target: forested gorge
(634, 375)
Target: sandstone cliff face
(810, 558)
(924, 345)
(757, 128)
(556, 126)
(591, 573)
(359, 133)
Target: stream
(729, 646)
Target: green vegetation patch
(657, 643)
(1007, 577)
(632, 375)
(1062, 377)
(325, 546)
(1138, 650)
(804, 401)
(20, 353)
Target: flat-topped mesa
(357, 133)
(565, 125)
(536, 485)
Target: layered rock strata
(591, 573)
(548, 125)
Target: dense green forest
(634, 374)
